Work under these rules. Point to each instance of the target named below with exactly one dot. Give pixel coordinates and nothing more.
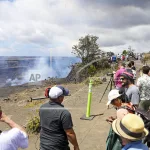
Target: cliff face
(72, 75)
(80, 72)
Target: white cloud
(43, 25)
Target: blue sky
(52, 27)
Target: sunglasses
(122, 79)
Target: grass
(33, 104)
(97, 77)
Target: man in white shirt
(144, 87)
(14, 138)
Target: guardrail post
(88, 109)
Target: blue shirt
(113, 58)
(138, 145)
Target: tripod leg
(105, 90)
(111, 84)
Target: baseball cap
(57, 91)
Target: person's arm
(138, 84)
(68, 128)
(18, 134)
(72, 138)
(116, 75)
(10, 122)
(135, 98)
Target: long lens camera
(110, 74)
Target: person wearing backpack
(56, 122)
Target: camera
(110, 74)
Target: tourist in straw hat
(131, 130)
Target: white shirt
(13, 139)
(144, 87)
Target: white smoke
(39, 72)
(44, 68)
(14, 82)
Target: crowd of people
(56, 126)
(123, 57)
(127, 131)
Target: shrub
(91, 70)
(96, 81)
(33, 104)
(33, 126)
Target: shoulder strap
(128, 108)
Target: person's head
(121, 65)
(129, 65)
(121, 113)
(114, 98)
(126, 78)
(57, 93)
(146, 69)
(132, 63)
(130, 128)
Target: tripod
(109, 83)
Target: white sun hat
(112, 95)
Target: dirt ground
(91, 135)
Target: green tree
(109, 54)
(125, 52)
(131, 52)
(87, 49)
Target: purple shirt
(117, 77)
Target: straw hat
(112, 95)
(130, 127)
